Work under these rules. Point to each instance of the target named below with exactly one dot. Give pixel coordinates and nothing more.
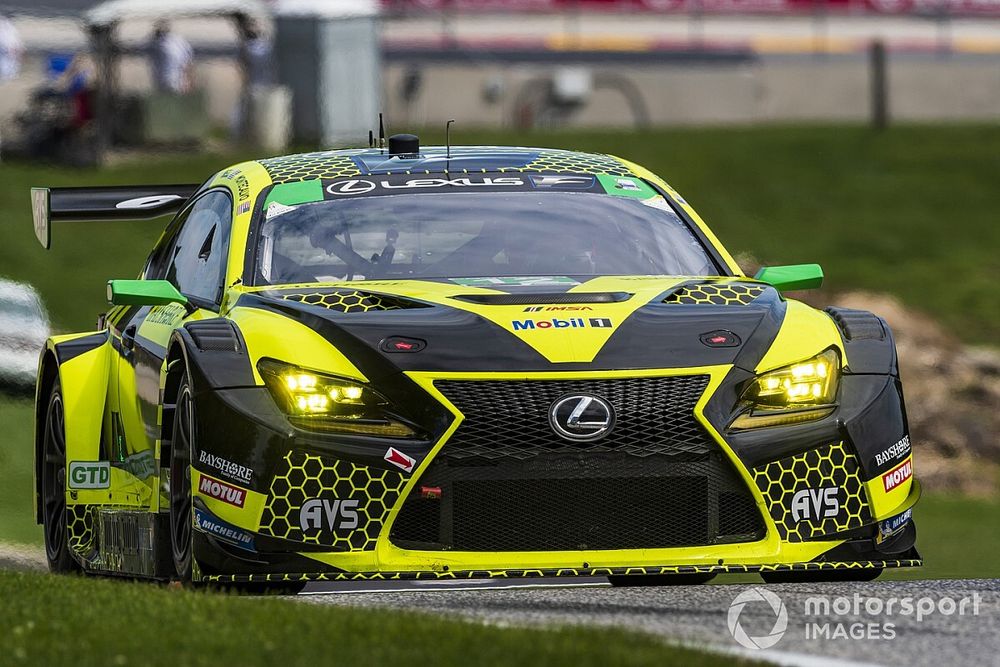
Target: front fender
(82, 363)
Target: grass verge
(50, 620)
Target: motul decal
(898, 475)
(400, 460)
(214, 488)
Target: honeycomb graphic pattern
(732, 294)
(304, 476)
(562, 162)
(351, 301)
(80, 528)
(308, 166)
(446, 573)
(829, 466)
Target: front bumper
(290, 468)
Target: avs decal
(89, 475)
(400, 460)
(235, 472)
(570, 323)
(207, 523)
(321, 513)
(816, 504)
(517, 281)
(215, 488)
(893, 525)
(897, 475)
(899, 450)
(400, 183)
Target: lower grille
(525, 489)
(557, 503)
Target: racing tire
(54, 511)
(641, 580)
(181, 520)
(819, 576)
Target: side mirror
(792, 277)
(144, 293)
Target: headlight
(796, 393)
(319, 402)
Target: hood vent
(710, 294)
(352, 301)
(536, 298)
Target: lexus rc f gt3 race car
(459, 363)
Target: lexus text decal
(898, 475)
(568, 323)
(399, 183)
(214, 488)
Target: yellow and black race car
(427, 363)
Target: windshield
(456, 235)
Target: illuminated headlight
(796, 393)
(327, 403)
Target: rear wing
(103, 203)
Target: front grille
(507, 482)
(510, 418)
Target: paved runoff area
(945, 622)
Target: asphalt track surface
(698, 615)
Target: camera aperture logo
(780, 619)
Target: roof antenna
(447, 143)
(381, 132)
(371, 139)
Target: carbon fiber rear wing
(103, 203)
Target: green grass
(50, 620)
(16, 456)
(954, 538)
(911, 211)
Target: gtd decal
(571, 323)
(897, 451)
(89, 474)
(815, 504)
(219, 490)
(320, 513)
(898, 475)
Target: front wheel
(180, 481)
(57, 551)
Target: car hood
(513, 325)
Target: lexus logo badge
(581, 417)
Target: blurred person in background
(171, 59)
(11, 49)
(256, 58)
